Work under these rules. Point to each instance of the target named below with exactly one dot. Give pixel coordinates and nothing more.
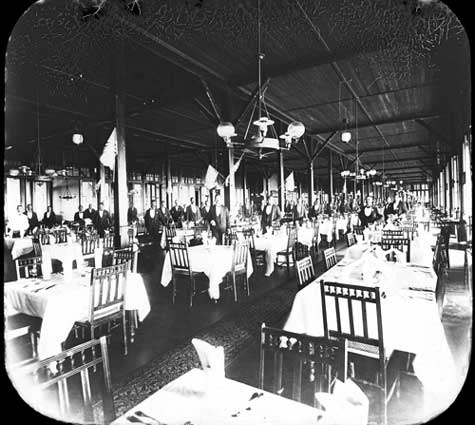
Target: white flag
(290, 182)
(211, 177)
(110, 150)
(99, 184)
(234, 168)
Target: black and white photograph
(237, 212)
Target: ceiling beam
(417, 158)
(395, 147)
(323, 146)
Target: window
(12, 198)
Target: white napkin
(211, 358)
(348, 405)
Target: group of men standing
(155, 219)
(100, 219)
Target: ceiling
(398, 71)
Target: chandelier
(266, 136)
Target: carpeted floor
(235, 333)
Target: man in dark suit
(103, 220)
(270, 214)
(132, 216)
(299, 212)
(32, 219)
(90, 213)
(219, 220)
(192, 213)
(79, 216)
(164, 217)
(177, 214)
(204, 210)
(49, 218)
(151, 220)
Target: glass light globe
(225, 130)
(345, 136)
(296, 129)
(77, 138)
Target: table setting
(62, 300)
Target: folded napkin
(347, 405)
(211, 357)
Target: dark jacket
(152, 224)
(221, 220)
(102, 223)
(90, 214)
(268, 219)
(78, 219)
(33, 221)
(132, 215)
(192, 216)
(205, 214)
(164, 218)
(299, 213)
(177, 214)
(366, 220)
(49, 221)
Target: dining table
(182, 235)
(410, 317)
(215, 261)
(195, 399)
(62, 300)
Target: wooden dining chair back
(401, 244)
(229, 238)
(108, 242)
(44, 237)
(399, 233)
(107, 301)
(305, 271)
(61, 235)
(37, 247)
(170, 231)
(295, 365)
(358, 230)
(275, 227)
(125, 255)
(409, 231)
(330, 258)
(28, 268)
(78, 378)
(89, 243)
(199, 230)
(300, 251)
(289, 251)
(248, 235)
(350, 239)
(15, 346)
(181, 268)
(353, 312)
(239, 268)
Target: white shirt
(101, 213)
(19, 222)
(152, 213)
(29, 214)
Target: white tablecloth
(19, 246)
(214, 261)
(224, 403)
(64, 304)
(411, 321)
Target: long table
(215, 261)
(61, 301)
(193, 400)
(410, 316)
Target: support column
(244, 182)
(231, 188)
(281, 181)
(311, 183)
(330, 168)
(169, 181)
(101, 194)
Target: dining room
(238, 212)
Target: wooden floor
(168, 324)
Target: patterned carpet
(234, 332)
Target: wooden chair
(288, 253)
(300, 251)
(275, 227)
(239, 267)
(106, 300)
(87, 364)
(258, 256)
(181, 267)
(362, 307)
(409, 231)
(170, 233)
(229, 238)
(89, 243)
(37, 247)
(44, 237)
(29, 267)
(125, 255)
(393, 233)
(445, 242)
(108, 242)
(330, 257)
(300, 364)
(350, 239)
(11, 345)
(61, 235)
(358, 230)
(305, 271)
(401, 244)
